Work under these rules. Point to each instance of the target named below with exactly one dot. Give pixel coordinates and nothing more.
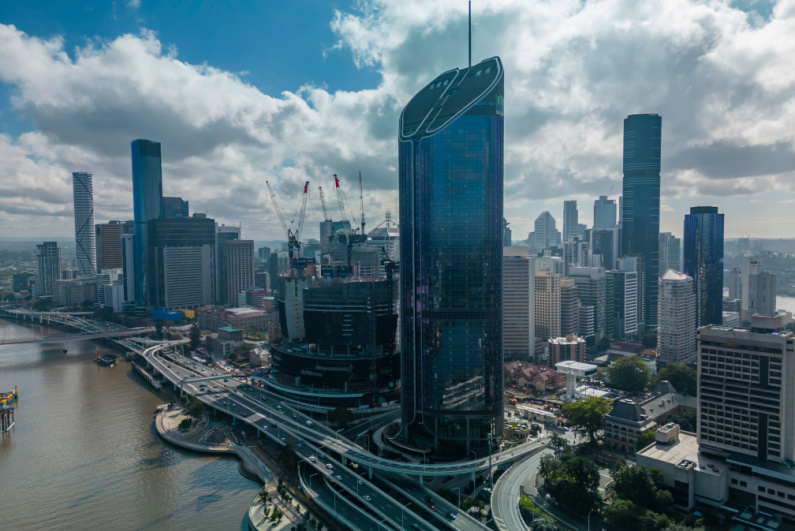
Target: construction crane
(361, 202)
(339, 197)
(293, 236)
(323, 202)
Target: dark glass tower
(451, 196)
(641, 205)
(147, 180)
(703, 261)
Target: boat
(108, 360)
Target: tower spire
(470, 33)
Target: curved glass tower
(147, 181)
(451, 195)
(85, 239)
(703, 261)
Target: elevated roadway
(507, 490)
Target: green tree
(637, 484)
(43, 305)
(185, 424)
(588, 415)
(646, 438)
(682, 377)
(195, 337)
(340, 417)
(542, 524)
(559, 443)
(629, 373)
(572, 481)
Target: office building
(758, 289)
(569, 308)
(735, 284)
(85, 243)
(622, 287)
(592, 291)
(181, 262)
(21, 281)
(703, 261)
(263, 253)
(670, 252)
(128, 266)
(547, 262)
(546, 235)
(605, 244)
(640, 231)
(239, 268)
(75, 292)
(224, 234)
(570, 348)
(108, 241)
(174, 207)
(506, 233)
(147, 178)
(451, 210)
(676, 335)
(518, 304)
(48, 269)
(570, 220)
(547, 310)
(604, 213)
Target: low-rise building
(570, 348)
(244, 318)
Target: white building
(676, 335)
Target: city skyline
(558, 147)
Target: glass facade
(451, 212)
(703, 261)
(147, 180)
(641, 204)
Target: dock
(7, 398)
(148, 377)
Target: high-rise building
(570, 220)
(108, 236)
(569, 348)
(239, 268)
(604, 213)
(592, 291)
(758, 289)
(745, 386)
(224, 235)
(676, 335)
(703, 260)
(641, 203)
(547, 311)
(147, 178)
(506, 233)
(263, 253)
(451, 197)
(735, 283)
(48, 268)
(518, 304)
(128, 266)
(547, 262)
(85, 244)
(174, 207)
(546, 236)
(605, 243)
(451, 210)
(569, 308)
(670, 252)
(623, 296)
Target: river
(84, 453)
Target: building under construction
(338, 318)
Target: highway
(505, 498)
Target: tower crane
(339, 197)
(361, 202)
(293, 236)
(323, 202)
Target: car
(432, 507)
(312, 458)
(337, 477)
(300, 443)
(295, 417)
(415, 526)
(329, 466)
(226, 379)
(244, 415)
(283, 439)
(359, 482)
(265, 427)
(451, 515)
(366, 498)
(309, 423)
(565, 428)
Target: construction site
(337, 311)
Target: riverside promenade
(216, 439)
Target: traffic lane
(505, 498)
(423, 496)
(320, 490)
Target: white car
(366, 498)
(312, 458)
(329, 466)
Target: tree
(185, 424)
(646, 438)
(542, 524)
(559, 443)
(572, 481)
(629, 373)
(195, 337)
(637, 484)
(588, 415)
(682, 377)
(340, 417)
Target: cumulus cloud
(719, 73)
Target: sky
(244, 92)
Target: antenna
(470, 34)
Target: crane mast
(323, 202)
(293, 237)
(361, 202)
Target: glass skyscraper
(85, 239)
(641, 204)
(147, 180)
(703, 261)
(451, 211)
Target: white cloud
(721, 78)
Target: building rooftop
(674, 275)
(243, 312)
(683, 454)
(575, 367)
(230, 329)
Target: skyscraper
(48, 268)
(641, 203)
(570, 219)
(676, 335)
(518, 308)
(758, 289)
(703, 261)
(239, 268)
(451, 197)
(547, 311)
(147, 178)
(604, 213)
(670, 252)
(108, 237)
(506, 233)
(623, 298)
(86, 248)
(546, 234)
(569, 308)
(592, 291)
(224, 235)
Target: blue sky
(246, 91)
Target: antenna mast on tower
(470, 34)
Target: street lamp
(459, 497)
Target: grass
(528, 504)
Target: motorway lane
(505, 498)
(325, 497)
